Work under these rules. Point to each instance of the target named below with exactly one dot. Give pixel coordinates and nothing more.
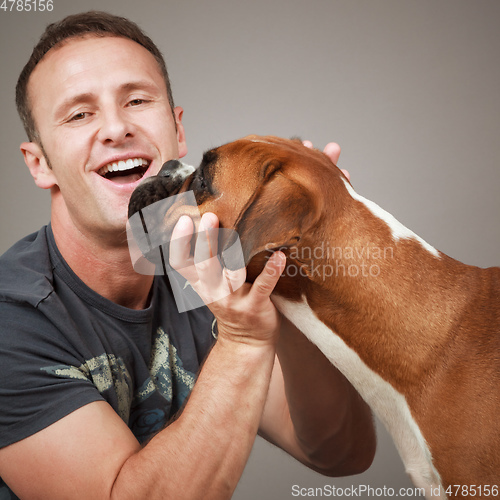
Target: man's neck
(103, 265)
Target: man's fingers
(234, 279)
(180, 244)
(206, 241)
(332, 150)
(346, 173)
(205, 253)
(264, 285)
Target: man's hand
(332, 150)
(244, 312)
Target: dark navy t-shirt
(63, 346)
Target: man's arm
(91, 453)
(313, 412)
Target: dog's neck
(390, 300)
(383, 290)
(397, 318)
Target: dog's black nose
(169, 168)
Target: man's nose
(115, 127)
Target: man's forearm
(203, 453)
(328, 421)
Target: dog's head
(273, 192)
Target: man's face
(97, 102)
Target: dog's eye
(199, 183)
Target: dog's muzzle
(167, 182)
(148, 205)
(175, 173)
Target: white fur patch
(387, 403)
(397, 229)
(184, 171)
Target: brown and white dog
(416, 332)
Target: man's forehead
(78, 44)
(81, 53)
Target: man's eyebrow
(138, 85)
(73, 101)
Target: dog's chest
(387, 403)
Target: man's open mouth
(125, 171)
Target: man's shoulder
(26, 271)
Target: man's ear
(37, 163)
(276, 218)
(181, 135)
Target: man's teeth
(123, 165)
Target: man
(95, 362)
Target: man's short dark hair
(93, 23)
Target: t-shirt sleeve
(42, 378)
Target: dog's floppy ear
(276, 216)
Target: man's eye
(79, 116)
(136, 102)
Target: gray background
(409, 88)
